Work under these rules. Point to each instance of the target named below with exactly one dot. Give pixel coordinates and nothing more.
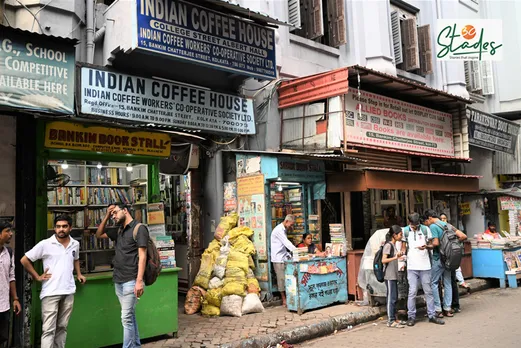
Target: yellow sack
(244, 245)
(210, 311)
(225, 225)
(214, 297)
(234, 288)
(205, 271)
(236, 259)
(214, 245)
(240, 231)
(234, 274)
(253, 286)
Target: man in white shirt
(60, 254)
(280, 251)
(419, 268)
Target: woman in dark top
(307, 241)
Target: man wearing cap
(418, 268)
(7, 282)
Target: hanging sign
(376, 120)
(300, 170)
(141, 100)
(492, 132)
(510, 203)
(74, 136)
(190, 32)
(37, 72)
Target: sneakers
(411, 322)
(435, 320)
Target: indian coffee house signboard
(36, 72)
(142, 100)
(492, 132)
(190, 32)
(380, 121)
(74, 136)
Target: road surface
(489, 318)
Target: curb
(329, 326)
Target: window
(411, 43)
(479, 77)
(322, 21)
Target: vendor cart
(315, 283)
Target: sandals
(448, 314)
(439, 315)
(395, 325)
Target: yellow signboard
(250, 185)
(464, 208)
(75, 136)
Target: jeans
(455, 290)
(128, 301)
(4, 327)
(414, 278)
(439, 271)
(56, 311)
(392, 297)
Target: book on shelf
(90, 242)
(78, 218)
(107, 195)
(66, 196)
(95, 216)
(107, 176)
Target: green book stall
(81, 170)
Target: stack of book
(339, 245)
(300, 254)
(166, 248)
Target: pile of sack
(226, 283)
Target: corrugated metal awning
(395, 179)
(336, 82)
(62, 39)
(302, 155)
(249, 13)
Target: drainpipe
(219, 182)
(90, 30)
(442, 65)
(107, 43)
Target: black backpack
(451, 250)
(153, 266)
(378, 266)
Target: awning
(395, 179)
(411, 153)
(303, 155)
(248, 13)
(336, 82)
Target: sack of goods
(226, 283)
(194, 300)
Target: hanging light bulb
(279, 188)
(99, 166)
(65, 165)
(129, 168)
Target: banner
(510, 203)
(37, 72)
(376, 120)
(252, 210)
(74, 136)
(142, 100)
(194, 33)
(179, 160)
(492, 132)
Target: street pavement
(488, 319)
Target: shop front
(37, 78)
(81, 170)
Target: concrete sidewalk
(272, 326)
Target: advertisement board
(492, 132)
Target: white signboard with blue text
(190, 32)
(142, 100)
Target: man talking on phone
(419, 268)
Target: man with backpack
(419, 268)
(446, 257)
(7, 282)
(129, 266)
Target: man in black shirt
(129, 267)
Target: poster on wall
(510, 203)
(380, 121)
(252, 210)
(230, 197)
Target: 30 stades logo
(472, 39)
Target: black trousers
(4, 327)
(455, 291)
